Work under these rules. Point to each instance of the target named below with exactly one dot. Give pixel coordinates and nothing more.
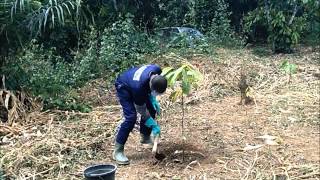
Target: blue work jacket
(136, 81)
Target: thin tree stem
(4, 82)
(182, 120)
(182, 126)
(293, 14)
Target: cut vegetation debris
(59, 145)
(15, 105)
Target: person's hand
(151, 123)
(156, 130)
(155, 104)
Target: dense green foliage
(49, 47)
(284, 23)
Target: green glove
(151, 123)
(155, 104)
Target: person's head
(158, 84)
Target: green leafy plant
(220, 31)
(283, 34)
(2, 173)
(181, 80)
(22, 19)
(45, 75)
(280, 22)
(288, 68)
(123, 46)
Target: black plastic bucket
(99, 172)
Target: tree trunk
(293, 14)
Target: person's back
(136, 80)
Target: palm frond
(46, 16)
(62, 14)
(67, 7)
(52, 17)
(21, 13)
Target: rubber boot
(118, 154)
(146, 139)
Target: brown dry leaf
(266, 136)
(154, 175)
(251, 147)
(270, 140)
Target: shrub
(220, 31)
(39, 71)
(284, 22)
(47, 75)
(123, 46)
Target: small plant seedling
(288, 68)
(181, 80)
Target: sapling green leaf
(177, 75)
(187, 77)
(288, 67)
(186, 86)
(166, 70)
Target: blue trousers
(130, 114)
